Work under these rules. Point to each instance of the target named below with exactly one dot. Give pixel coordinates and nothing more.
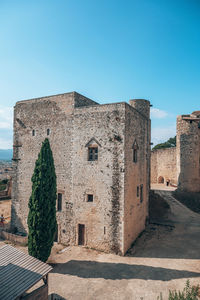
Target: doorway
(160, 179)
(81, 234)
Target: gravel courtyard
(163, 258)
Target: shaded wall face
(137, 175)
(163, 165)
(188, 155)
(39, 115)
(102, 127)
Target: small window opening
(33, 132)
(48, 131)
(135, 155)
(141, 193)
(138, 191)
(89, 198)
(92, 153)
(59, 204)
(104, 230)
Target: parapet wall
(163, 166)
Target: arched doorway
(160, 179)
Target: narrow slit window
(90, 198)
(59, 204)
(141, 193)
(138, 191)
(48, 131)
(135, 151)
(104, 230)
(135, 155)
(92, 153)
(33, 132)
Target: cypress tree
(42, 205)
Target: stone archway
(160, 179)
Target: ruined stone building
(102, 161)
(180, 165)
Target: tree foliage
(42, 205)
(168, 144)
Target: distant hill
(6, 154)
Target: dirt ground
(5, 209)
(163, 258)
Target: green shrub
(168, 144)
(2, 187)
(4, 181)
(188, 293)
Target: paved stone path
(162, 259)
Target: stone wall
(102, 125)
(40, 293)
(115, 216)
(180, 165)
(23, 240)
(188, 153)
(137, 182)
(163, 165)
(40, 115)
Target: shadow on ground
(178, 242)
(174, 234)
(116, 271)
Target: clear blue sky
(108, 50)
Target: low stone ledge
(14, 238)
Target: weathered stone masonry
(188, 152)
(164, 166)
(180, 165)
(104, 201)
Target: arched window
(160, 179)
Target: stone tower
(188, 152)
(102, 161)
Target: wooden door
(81, 234)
